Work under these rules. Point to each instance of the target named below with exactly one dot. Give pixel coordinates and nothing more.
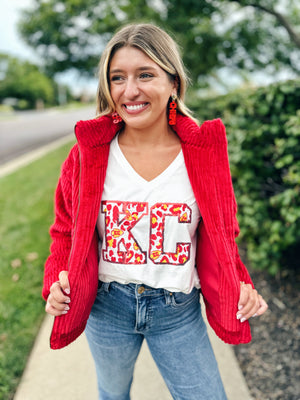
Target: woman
(143, 198)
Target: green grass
(26, 212)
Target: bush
(263, 129)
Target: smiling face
(140, 89)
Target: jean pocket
(180, 299)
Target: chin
(137, 123)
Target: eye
(116, 78)
(146, 75)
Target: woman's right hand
(58, 301)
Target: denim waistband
(134, 287)
(138, 289)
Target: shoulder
(211, 132)
(214, 131)
(96, 131)
(73, 155)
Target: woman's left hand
(251, 304)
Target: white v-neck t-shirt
(148, 229)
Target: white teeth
(135, 107)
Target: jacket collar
(96, 132)
(100, 131)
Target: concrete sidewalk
(69, 374)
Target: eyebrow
(144, 68)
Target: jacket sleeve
(61, 230)
(241, 268)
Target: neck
(158, 136)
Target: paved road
(27, 131)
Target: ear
(176, 84)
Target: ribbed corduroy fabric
(75, 242)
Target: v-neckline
(178, 160)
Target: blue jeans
(123, 315)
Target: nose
(131, 89)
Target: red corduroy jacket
(75, 242)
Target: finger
(53, 311)
(252, 304)
(244, 295)
(64, 281)
(58, 305)
(250, 312)
(263, 306)
(249, 303)
(57, 293)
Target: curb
(28, 158)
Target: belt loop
(105, 286)
(167, 297)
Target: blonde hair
(158, 46)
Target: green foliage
(240, 35)
(23, 80)
(263, 128)
(26, 212)
(73, 33)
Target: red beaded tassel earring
(116, 118)
(172, 110)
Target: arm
(56, 284)
(251, 303)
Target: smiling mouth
(135, 107)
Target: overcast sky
(12, 43)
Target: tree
(268, 7)
(23, 81)
(246, 35)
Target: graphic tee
(148, 229)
